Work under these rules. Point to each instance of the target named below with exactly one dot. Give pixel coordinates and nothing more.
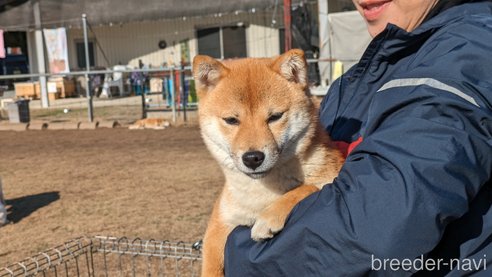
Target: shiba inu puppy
(150, 123)
(258, 120)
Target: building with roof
(155, 32)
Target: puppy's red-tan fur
(252, 106)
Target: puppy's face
(254, 113)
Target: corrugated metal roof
(120, 11)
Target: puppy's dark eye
(231, 120)
(274, 117)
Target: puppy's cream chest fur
(244, 198)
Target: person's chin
(375, 28)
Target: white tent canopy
(343, 37)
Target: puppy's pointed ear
(207, 72)
(292, 66)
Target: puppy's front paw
(267, 225)
(272, 219)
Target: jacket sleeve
(425, 154)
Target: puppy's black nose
(253, 159)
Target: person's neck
(442, 5)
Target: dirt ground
(65, 184)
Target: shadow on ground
(24, 206)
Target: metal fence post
(40, 55)
(88, 69)
(173, 92)
(288, 24)
(144, 104)
(182, 88)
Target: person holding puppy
(415, 119)
(3, 208)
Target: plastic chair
(114, 80)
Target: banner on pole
(2, 46)
(56, 45)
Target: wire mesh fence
(133, 94)
(123, 95)
(134, 69)
(110, 58)
(111, 256)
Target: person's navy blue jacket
(417, 112)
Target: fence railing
(123, 95)
(115, 95)
(111, 256)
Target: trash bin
(19, 111)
